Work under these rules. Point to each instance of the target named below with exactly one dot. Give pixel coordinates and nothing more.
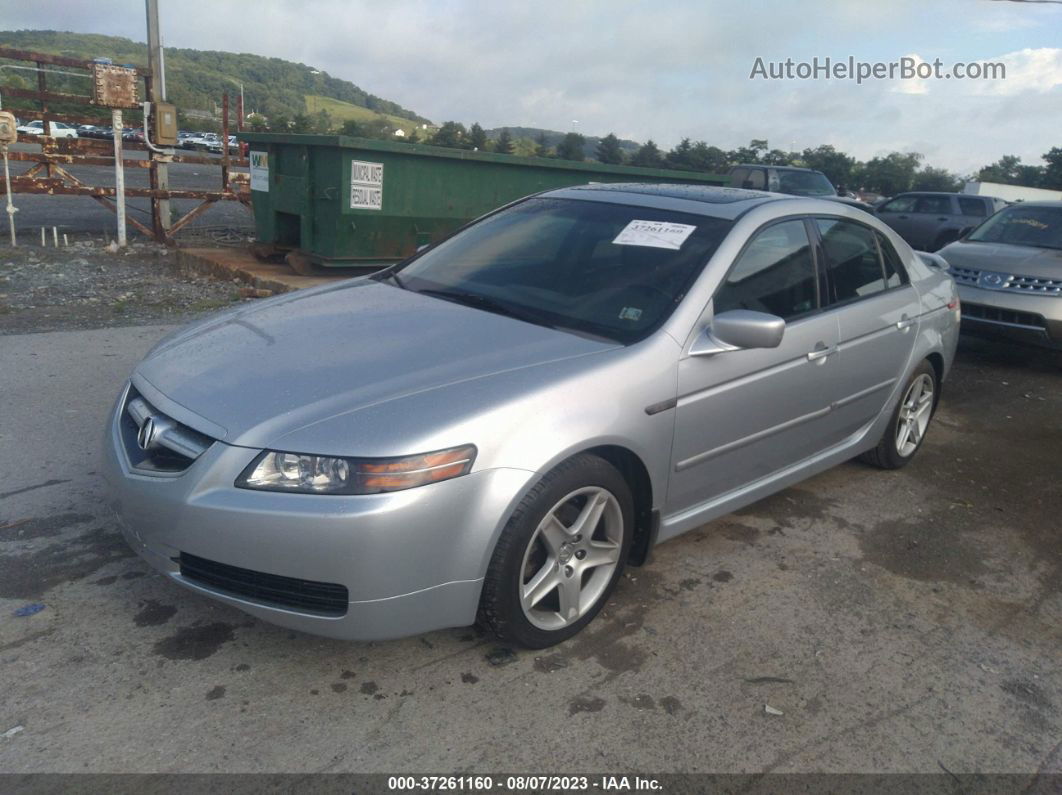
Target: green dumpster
(333, 200)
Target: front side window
(774, 274)
(853, 265)
(904, 204)
(609, 270)
(1040, 227)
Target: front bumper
(1031, 319)
(411, 561)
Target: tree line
(887, 174)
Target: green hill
(343, 111)
(196, 79)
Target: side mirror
(739, 329)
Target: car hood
(1017, 260)
(259, 373)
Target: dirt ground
(85, 285)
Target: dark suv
(930, 220)
(788, 179)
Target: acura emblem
(145, 437)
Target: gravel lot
(905, 621)
(87, 286)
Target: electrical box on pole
(164, 124)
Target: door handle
(904, 323)
(904, 217)
(821, 352)
(942, 218)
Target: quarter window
(774, 274)
(973, 207)
(853, 265)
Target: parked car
(215, 146)
(520, 410)
(791, 180)
(135, 135)
(1009, 272)
(58, 129)
(201, 141)
(930, 220)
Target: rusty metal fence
(113, 88)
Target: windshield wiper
(393, 276)
(487, 304)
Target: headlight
(317, 474)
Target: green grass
(341, 111)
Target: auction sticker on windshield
(657, 234)
(366, 185)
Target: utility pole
(157, 93)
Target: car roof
(1042, 203)
(777, 168)
(710, 200)
(939, 193)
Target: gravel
(86, 285)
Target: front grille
(1007, 317)
(1027, 285)
(269, 589)
(172, 447)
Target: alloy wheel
(571, 557)
(915, 412)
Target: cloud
(644, 70)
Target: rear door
(932, 215)
(745, 414)
(877, 311)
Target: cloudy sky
(663, 70)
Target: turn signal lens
(313, 474)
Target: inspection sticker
(366, 185)
(657, 234)
(259, 170)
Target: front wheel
(560, 555)
(907, 429)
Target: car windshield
(607, 270)
(804, 183)
(1040, 227)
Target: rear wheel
(560, 555)
(910, 421)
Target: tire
(543, 584)
(911, 417)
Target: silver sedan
(493, 429)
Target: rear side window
(854, 267)
(738, 177)
(972, 207)
(934, 205)
(774, 274)
(757, 179)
